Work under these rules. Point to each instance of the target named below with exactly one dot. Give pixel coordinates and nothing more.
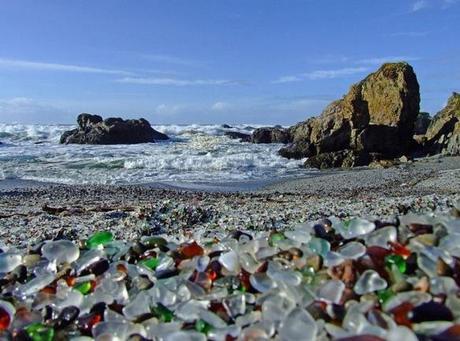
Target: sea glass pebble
(60, 251)
(369, 281)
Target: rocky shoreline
(132, 211)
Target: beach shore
(30, 212)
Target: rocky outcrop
(271, 135)
(92, 129)
(376, 116)
(443, 134)
(422, 123)
(238, 136)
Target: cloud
(219, 106)
(424, 4)
(419, 5)
(28, 110)
(41, 66)
(321, 74)
(382, 60)
(175, 82)
(161, 58)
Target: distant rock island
(92, 129)
(378, 120)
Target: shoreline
(31, 215)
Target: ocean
(195, 154)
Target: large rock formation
(443, 134)
(374, 120)
(92, 129)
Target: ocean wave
(196, 153)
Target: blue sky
(209, 61)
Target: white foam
(199, 153)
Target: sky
(214, 61)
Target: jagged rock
(377, 115)
(271, 135)
(443, 134)
(298, 150)
(339, 159)
(422, 123)
(237, 135)
(93, 130)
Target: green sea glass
(40, 332)
(99, 238)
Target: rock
(342, 158)
(377, 115)
(422, 123)
(443, 134)
(271, 135)
(298, 150)
(226, 126)
(93, 130)
(237, 135)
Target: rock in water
(92, 129)
(375, 119)
(238, 136)
(443, 134)
(271, 135)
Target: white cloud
(423, 4)
(28, 110)
(419, 5)
(41, 66)
(219, 106)
(161, 58)
(322, 74)
(175, 82)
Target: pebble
(334, 279)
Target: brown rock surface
(377, 115)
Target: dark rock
(443, 134)
(377, 116)
(298, 150)
(93, 130)
(383, 139)
(88, 120)
(271, 135)
(226, 126)
(338, 159)
(237, 135)
(422, 123)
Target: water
(195, 154)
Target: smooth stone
(382, 237)
(352, 250)
(368, 282)
(356, 227)
(9, 261)
(261, 282)
(298, 325)
(61, 251)
(299, 235)
(333, 259)
(230, 261)
(331, 291)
